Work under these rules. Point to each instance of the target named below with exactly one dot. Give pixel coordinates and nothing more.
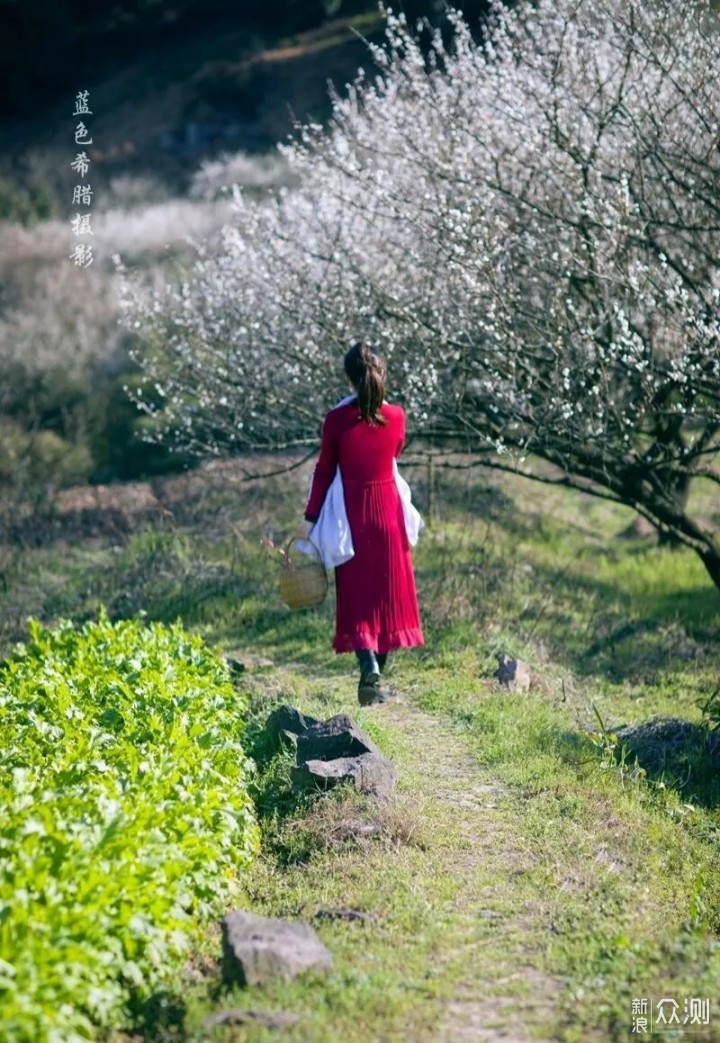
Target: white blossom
(528, 228)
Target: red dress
(376, 599)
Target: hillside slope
(224, 88)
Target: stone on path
(369, 773)
(259, 949)
(289, 723)
(276, 1019)
(337, 737)
(515, 674)
(332, 751)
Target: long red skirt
(377, 604)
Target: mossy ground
(531, 878)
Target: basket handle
(297, 539)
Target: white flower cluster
(529, 229)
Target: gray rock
(259, 949)
(276, 1019)
(368, 772)
(337, 737)
(343, 914)
(515, 674)
(286, 721)
(668, 743)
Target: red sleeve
(324, 470)
(401, 434)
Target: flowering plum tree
(528, 227)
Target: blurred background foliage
(45, 43)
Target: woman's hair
(367, 370)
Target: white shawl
(331, 532)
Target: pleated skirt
(377, 603)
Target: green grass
(587, 880)
(633, 922)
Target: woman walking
(377, 609)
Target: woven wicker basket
(303, 579)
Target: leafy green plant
(698, 908)
(612, 758)
(125, 822)
(710, 708)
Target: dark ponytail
(367, 371)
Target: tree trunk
(681, 493)
(689, 532)
(711, 561)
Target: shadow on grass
(271, 789)
(684, 755)
(601, 629)
(280, 807)
(676, 754)
(158, 1017)
(483, 501)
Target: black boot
(369, 689)
(382, 660)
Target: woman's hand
(303, 529)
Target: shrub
(710, 708)
(124, 819)
(26, 204)
(39, 458)
(116, 441)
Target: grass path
(450, 950)
(500, 992)
(506, 892)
